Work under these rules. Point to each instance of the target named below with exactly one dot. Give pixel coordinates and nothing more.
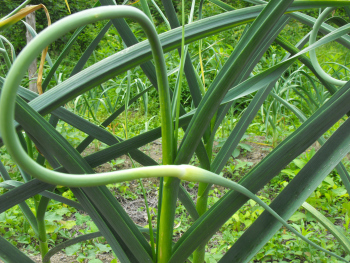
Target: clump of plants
(54, 163)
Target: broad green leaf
(10, 254)
(262, 173)
(267, 42)
(305, 60)
(169, 41)
(23, 205)
(87, 53)
(62, 55)
(74, 163)
(299, 163)
(232, 72)
(294, 195)
(237, 134)
(120, 62)
(73, 250)
(290, 172)
(222, 5)
(70, 242)
(297, 216)
(53, 216)
(22, 193)
(344, 175)
(241, 127)
(188, 69)
(118, 246)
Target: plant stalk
(40, 217)
(170, 185)
(201, 207)
(202, 198)
(166, 224)
(6, 56)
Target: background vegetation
(295, 97)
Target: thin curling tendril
(313, 56)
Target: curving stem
(312, 52)
(49, 35)
(184, 172)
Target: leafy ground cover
(273, 123)
(64, 222)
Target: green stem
(161, 14)
(40, 217)
(19, 69)
(43, 245)
(201, 207)
(36, 198)
(145, 9)
(202, 196)
(159, 212)
(29, 146)
(127, 98)
(89, 108)
(178, 95)
(166, 224)
(154, 256)
(171, 185)
(150, 227)
(202, 199)
(313, 57)
(46, 37)
(5, 54)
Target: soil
(133, 207)
(62, 257)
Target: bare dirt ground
(62, 257)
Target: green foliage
(57, 9)
(103, 106)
